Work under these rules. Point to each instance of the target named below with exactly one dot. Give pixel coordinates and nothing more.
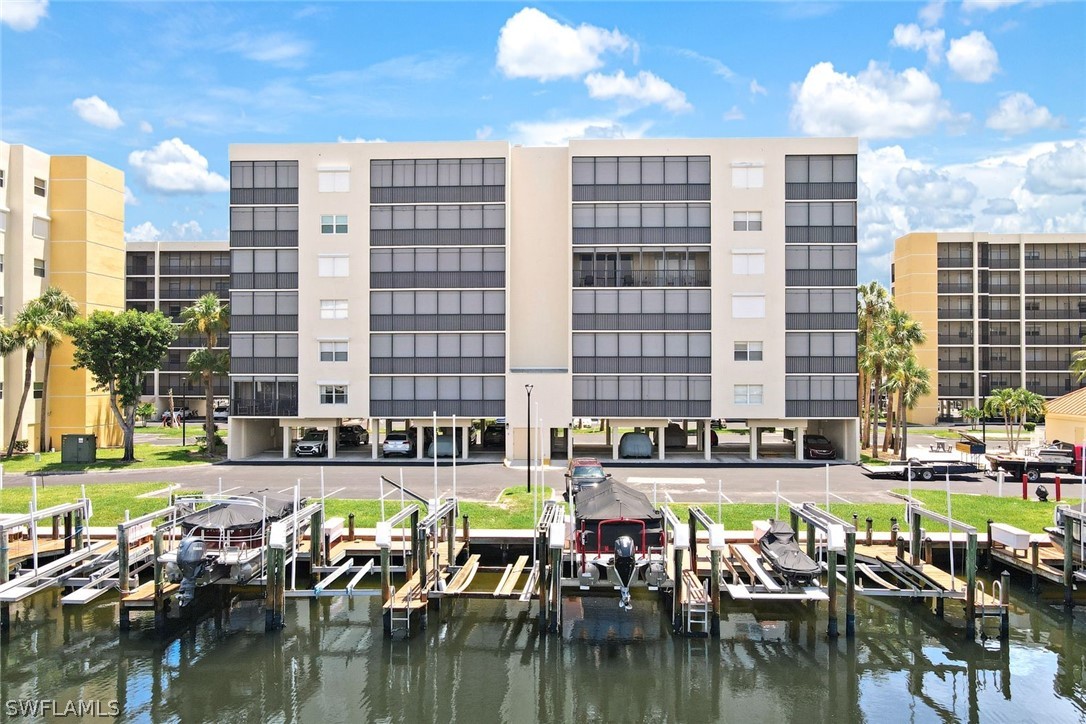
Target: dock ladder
(697, 603)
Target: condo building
(1000, 310)
(62, 225)
(634, 281)
(169, 276)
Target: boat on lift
(223, 543)
(1078, 540)
(780, 550)
(618, 539)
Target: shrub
(21, 446)
(1029, 426)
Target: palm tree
(915, 383)
(873, 301)
(877, 353)
(904, 333)
(60, 310)
(27, 331)
(1025, 404)
(210, 318)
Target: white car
(220, 413)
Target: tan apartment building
(1000, 310)
(634, 281)
(61, 224)
(169, 276)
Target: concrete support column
(569, 442)
(613, 439)
(753, 443)
(333, 438)
(707, 439)
(606, 431)
(464, 441)
(286, 441)
(661, 443)
(375, 434)
(799, 442)
(420, 443)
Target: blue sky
(971, 115)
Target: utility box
(78, 448)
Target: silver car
(397, 443)
(314, 443)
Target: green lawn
(192, 429)
(108, 501)
(147, 456)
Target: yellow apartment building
(61, 224)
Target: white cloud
(174, 167)
(716, 65)
(875, 103)
(735, 113)
(359, 139)
(973, 57)
(277, 48)
(1018, 113)
(22, 15)
(178, 231)
(481, 134)
(643, 90)
(559, 132)
(97, 112)
(1059, 171)
(932, 13)
(534, 45)
(987, 5)
(129, 197)
(911, 37)
(1040, 188)
(146, 127)
(757, 89)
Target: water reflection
(481, 661)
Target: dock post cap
(682, 537)
(384, 534)
(716, 537)
(277, 538)
(557, 534)
(836, 537)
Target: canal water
(483, 663)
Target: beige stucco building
(1000, 310)
(61, 224)
(634, 281)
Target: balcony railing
(954, 365)
(1055, 263)
(642, 279)
(956, 288)
(166, 270)
(1069, 339)
(1056, 314)
(1055, 288)
(955, 314)
(955, 339)
(283, 407)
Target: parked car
(818, 447)
(585, 473)
(352, 436)
(635, 445)
(220, 413)
(675, 436)
(445, 446)
(315, 443)
(397, 443)
(494, 435)
(184, 413)
(589, 422)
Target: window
(1, 390)
(748, 262)
(748, 394)
(39, 268)
(333, 266)
(333, 351)
(748, 175)
(333, 224)
(39, 187)
(38, 387)
(333, 309)
(747, 221)
(748, 306)
(333, 394)
(40, 228)
(1, 306)
(337, 181)
(3, 220)
(748, 351)
(1, 178)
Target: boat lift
(1073, 524)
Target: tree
(872, 304)
(30, 325)
(145, 411)
(60, 309)
(1014, 406)
(208, 317)
(913, 382)
(117, 349)
(904, 333)
(971, 414)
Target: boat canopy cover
(779, 531)
(227, 515)
(612, 499)
(779, 546)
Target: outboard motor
(624, 567)
(190, 561)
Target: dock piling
(831, 580)
(1035, 555)
(1068, 561)
(870, 529)
(1005, 609)
(850, 587)
(350, 527)
(160, 612)
(122, 559)
(971, 584)
(467, 536)
(714, 592)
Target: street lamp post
(184, 408)
(528, 389)
(983, 399)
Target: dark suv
(818, 447)
(585, 473)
